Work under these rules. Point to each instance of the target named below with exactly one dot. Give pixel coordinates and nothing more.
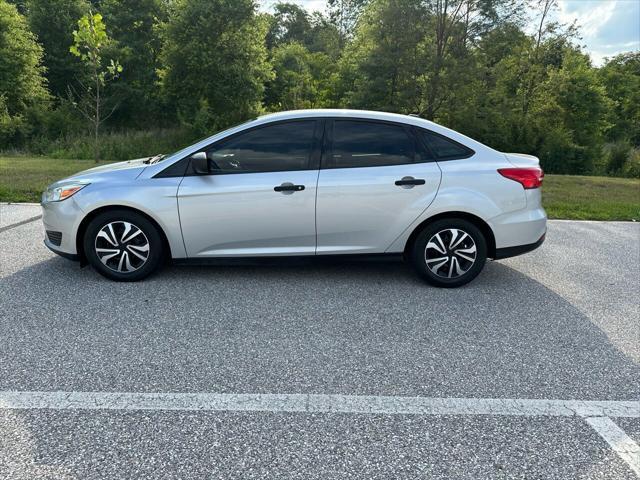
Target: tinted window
(444, 148)
(368, 144)
(285, 146)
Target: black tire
(117, 218)
(462, 270)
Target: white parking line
(595, 413)
(20, 223)
(619, 441)
(317, 403)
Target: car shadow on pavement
(350, 327)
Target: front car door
(259, 198)
(374, 182)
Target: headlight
(61, 192)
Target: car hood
(122, 170)
(522, 160)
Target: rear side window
(280, 147)
(444, 148)
(369, 144)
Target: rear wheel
(449, 252)
(123, 245)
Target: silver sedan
(305, 183)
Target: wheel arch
(82, 228)
(477, 221)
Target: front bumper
(64, 218)
(69, 256)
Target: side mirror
(199, 163)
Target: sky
(607, 27)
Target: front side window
(444, 148)
(280, 147)
(369, 144)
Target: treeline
(168, 71)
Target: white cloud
(591, 16)
(607, 27)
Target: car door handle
(410, 182)
(288, 187)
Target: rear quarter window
(443, 148)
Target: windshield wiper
(154, 159)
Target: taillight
(530, 177)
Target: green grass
(591, 198)
(22, 179)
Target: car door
(259, 197)
(375, 180)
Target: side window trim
(425, 144)
(423, 153)
(327, 145)
(327, 162)
(316, 148)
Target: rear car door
(259, 198)
(375, 180)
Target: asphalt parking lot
(323, 370)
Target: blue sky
(608, 27)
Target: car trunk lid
(522, 160)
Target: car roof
(344, 112)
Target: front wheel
(123, 245)
(449, 252)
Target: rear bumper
(518, 250)
(520, 229)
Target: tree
(621, 79)
(89, 42)
(380, 68)
(215, 61)
(472, 65)
(133, 25)
(300, 78)
(569, 111)
(510, 80)
(476, 107)
(21, 5)
(344, 15)
(22, 84)
(324, 37)
(417, 56)
(289, 23)
(456, 27)
(54, 34)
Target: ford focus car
(305, 183)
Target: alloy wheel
(450, 253)
(122, 246)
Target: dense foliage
(22, 84)
(191, 67)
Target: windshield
(179, 152)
